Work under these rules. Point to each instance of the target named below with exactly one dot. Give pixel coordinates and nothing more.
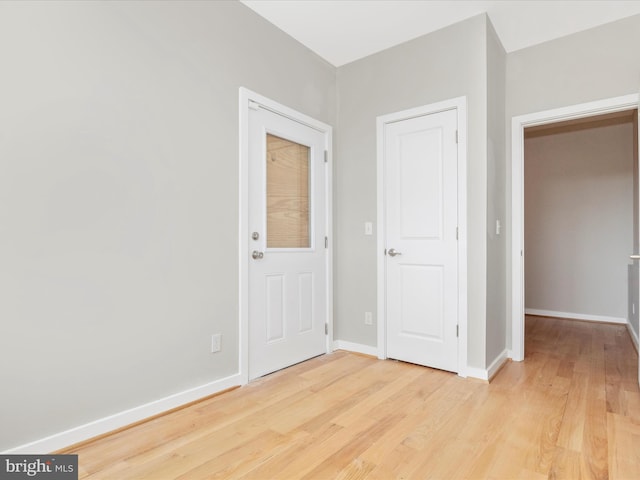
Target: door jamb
(460, 105)
(247, 100)
(518, 124)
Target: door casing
(460, 105)
(247, 100)
(518, 124)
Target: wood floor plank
(570, 410)
(389, 390)
(244, 458)
(317, 453)
(383, 451)
(296, 451)
(572, 428)
(566, 465)
(332, 465)
(624, 451)
(357, 469)
(595, 444)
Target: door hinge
(456, 233)
(457, 330)
(326, 242)
(326, 156)
(326, 329)
(456, 136)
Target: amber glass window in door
(287, 193)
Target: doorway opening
(573, 216)
(579, 229)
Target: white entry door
(421, 220)
(286, 252)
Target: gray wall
(496, 198)
(445, 64)
(118, 185)
(598, 63)
(579, 217)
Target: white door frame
(518, 124)
(248, 100)
(459, 104)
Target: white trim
(355, 347)
(488, 373)
(497, 364)
(243, 235)
(518, 125)
(634, 337)
(329, 232)
(245, 96)
(574, 316)
(122, 419)
(459, 104)
(380, 243)
(479, 373)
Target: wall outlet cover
(216, 342)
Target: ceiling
(341, 31)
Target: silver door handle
(392, 252)
(256, 255)
(634, 257)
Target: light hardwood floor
(571, 410)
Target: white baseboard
(473, 372)
(634, 337)
(355, 347)
(488, 373)
(479, 373)
(373, 351)
(122, 419)
(497, 364)
(574, 316)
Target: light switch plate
(368, 228)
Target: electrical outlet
(368, 318)
(216, 342)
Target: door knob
(392, 252)
(634, 257)
(256, 255)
